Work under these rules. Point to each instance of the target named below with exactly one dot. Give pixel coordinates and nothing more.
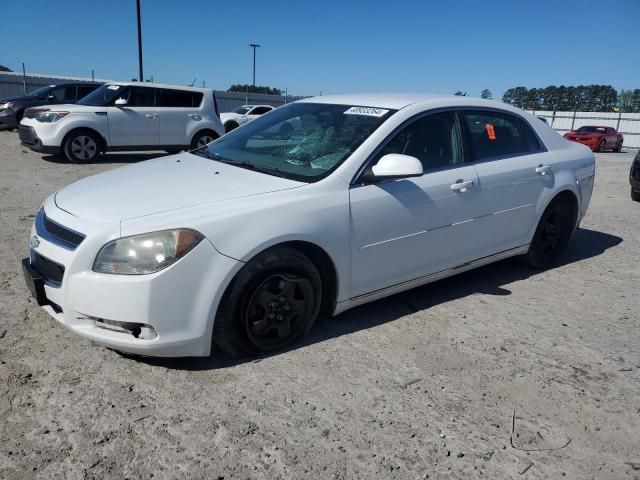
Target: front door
(135, 124)
(408, 228)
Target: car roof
(160, 85)
(397, 101)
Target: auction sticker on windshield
(370, 111)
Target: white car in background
(242, 115)
(124, 116)
(244, 242)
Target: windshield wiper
(243, 164)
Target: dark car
(12, 109)
(634, 178)
(597, 138)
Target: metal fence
(13, 84)
(626, 123)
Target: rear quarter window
(178, 98)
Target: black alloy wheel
(277, 310)
(552, 234)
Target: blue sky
(333, 46)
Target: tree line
(583, 98)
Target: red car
(597, 139)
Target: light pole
(139, 41)
(254, 46)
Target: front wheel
(619, 147)
(635, 195)
(82, 147)
(552, 234)
(272, 302)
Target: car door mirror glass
(395, 165)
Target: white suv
(124, 117)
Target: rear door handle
(462, 185)
(195, 116)
(151, 115)
(542, 169)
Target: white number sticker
(370, 111)
(113, 87)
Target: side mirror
(51, 98)
(395, 165)
(121, 101)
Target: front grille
(26, 135)
(56, 233)
(51, 271)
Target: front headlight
(49, 117)
(146, 253)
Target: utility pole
(139, 40)
(24, 79)
(254, 46)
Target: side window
(64, 94)
(178, 98)
(436, 140)
(493, 134)
(85, 90)
(142, 97)
(260, 110)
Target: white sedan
(242, 115)
(245, 242)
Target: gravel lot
(420, 385)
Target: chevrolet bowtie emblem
(35, 241)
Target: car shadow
(110, 157)
(491, 279)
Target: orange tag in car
(490, 132)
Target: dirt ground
(420, 385)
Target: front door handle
(542, 169)
(151, 115)
(462, 185)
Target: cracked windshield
(301, 141)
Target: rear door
(136, 123)
(515, 174)
(180, 115)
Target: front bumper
(29, 138)
(592, 144)
(8, 119)
(178, 303)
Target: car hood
(163, 184)
(20, 99)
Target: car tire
(635, 195)
(552, 234)
(602, 146)
(619, 147)
(229, 126)
(272, 302)
(82, 146)
(202, 138)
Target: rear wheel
(272, 302)
(82, 146)
(635, 195)
(552, 234)
(602, 146)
